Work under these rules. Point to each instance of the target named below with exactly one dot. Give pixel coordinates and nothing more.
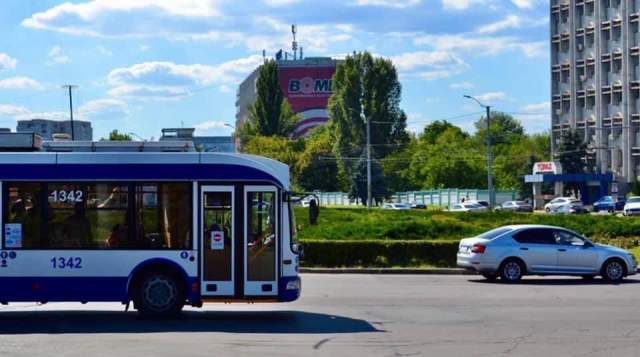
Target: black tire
(614, 270)
(159, 293)
(548, 210)
(490, 277)
(511, 270)
(610, 210)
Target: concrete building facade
(46, 128)
(595, 86)
(306, 83)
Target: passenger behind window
(18, 211)
(32, 225)
(77, 228)
(119, 237)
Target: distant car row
(560, 205)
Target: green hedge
(379, 253)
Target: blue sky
(142, 65)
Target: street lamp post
(368, 157)
(489, 157)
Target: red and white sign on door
(217, 240)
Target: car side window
(567, 238)
(456, 206)
(535, 236)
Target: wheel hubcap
(614, 271)
(159, 293)
(512, 270)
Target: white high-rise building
(595, 86)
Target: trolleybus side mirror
(314, 211)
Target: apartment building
(595, 49)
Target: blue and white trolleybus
(156, 224)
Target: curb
(388, 271)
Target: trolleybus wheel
(159, 294)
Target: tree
(281, 149)
(271, 114)
(115, 136)
(570, 153)
(316, 174)
(358, 189)
(435, 129)
(397, 168)
(504, 128)
(366, 88)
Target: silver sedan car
(513, 251)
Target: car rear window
(494, 233)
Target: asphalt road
(354, 315)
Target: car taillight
(478, 248)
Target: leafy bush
(379, 253)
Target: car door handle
(523, 248)
(562, 250)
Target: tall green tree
(271, 114)
(358, 189)
(116, 136)
(504, 128)
(364, 88)
(317, 168)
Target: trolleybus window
(261, 236)
(97, 215)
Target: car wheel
(511, 271)
(490, 277)
(547, 209)
(610, 210)
(159, 294)
(613, 270)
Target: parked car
(572, 208)
(514, 206)
(481, 203)
(632, 207)
(606, 204)
(513, 251)
(396, 206)
(416, 205)
(558, 202)
(467, 207)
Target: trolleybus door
(217, 243)
(261, 226)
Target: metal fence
(444, 197)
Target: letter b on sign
(294, 86)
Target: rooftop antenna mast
(294, 44)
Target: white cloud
(208, 125)
(462, 85)
(543, 107)
(465, 4)
(168, 80)
(399, 4)
(21, 83)
(428, 65)
(492, 97)
(528, 4)
(7, 62)
(105, 51)
(479, 46)
(226, 89)
(56, 57)
(536, 117)
(104, 109)
(96, 18)
(144, 48)
(512, 22)
(9, 110)
(276, 3)
(536, 49)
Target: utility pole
(489, 158)
(368, 163)
(70, 87)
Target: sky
(144, 65)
